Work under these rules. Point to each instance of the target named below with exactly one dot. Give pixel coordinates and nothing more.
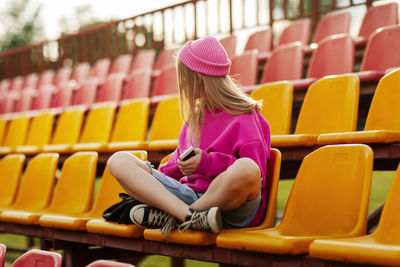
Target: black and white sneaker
(146, 216)
(207, 220)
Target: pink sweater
(224, 138)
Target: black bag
(119, 212)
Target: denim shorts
(236, 218)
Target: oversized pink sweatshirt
(225, 138)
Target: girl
(221, 185)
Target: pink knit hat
(206, 55)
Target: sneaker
(208, 220)
(146, 216)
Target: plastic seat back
(166, 82)
(332, 24)
(229, 43)
(43, 97)
(30, 80)
(379, 16)
(63, 96)
(3, 126)
(297, 31)
(40, 129)
(101, 68)
(4, 86)
(112, 87)
(260, 41)
(334, 55)
(330, 194)
(46, 77)
(68, 126)
(16, 83)
(24, 102)
(62, 76)
(143, 60)
(330, 105)
(81, 72)
(98, 124)
(165, 58)
(379, 54)
(277, 99)
(106, 263)
(36, 257)
(3, 250)
(385, 103)
(16, 131)
(86, 93)
(131, 123)
(244, 68)
(10, 173)
(138, 84)
(121, 64)
(285, 63)
(36, 188)
(167, 121)
(74, 190)
(7, 104)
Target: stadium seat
(67, 130)
(37, 185)
(329, 199)
(43, 97)
(11, 169)
(144, 59)
(36, 257)
(7, 103)
(381, 125)
(4, 86)
(260, 41)
(30, 80)
(206, 238)
(330, 105)
(106, 263)
(376, 17)
(72, 194)
(297, 31)
(331, 24)
(380, 248)
(15, 133)
(86, 92)
(39, 133)
(277, 100)
(106, 196)
(3, 250)
(121, 64)
(100, 69)
(3, 126)
(244, 68)
(24, 100)
(229, 43)
(285, 63)
(138, 84)
(165, 58)
(46, 78)
(166, 83)
(111, 88)
(97, 128)
(80, 72)
(131, 125)
(62, 76)
(63, 96)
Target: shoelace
(198, 221)
(169, 226)
(158, 218)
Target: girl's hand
(189, 166)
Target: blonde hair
(198, 92)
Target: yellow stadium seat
(277, 105)
(382, 247)
(37, 184)
(330, 105)
(39, 133)
(72, 194)
(107, 195)
(329, 199)
(68, 128)
(97, 128)
(206, 238)
(381, 126)
(3, 125)
(166, 125)
(131, 125)
(15, 133)
(10, 174)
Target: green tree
(22, 24)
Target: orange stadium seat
(260, 41)
(111, 88)
(63, 96)
(138, 84)
(329, 199)
(36, 257)
(11, 169)
(144, 59)
(86, 92)
(244, 68)
(3, 125)
(121, 64)
(331, 24)
(297, 31)
(15, 133)
(229, 43)
(101, 69)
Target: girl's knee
(118, 160)
(249, 170)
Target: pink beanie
(205, 55)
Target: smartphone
(187, 154)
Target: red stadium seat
(62, 76)
(81, 72)
(111, 88)
(297, 31)
(43, 97)
(261, 41)
(16, 84)
(138, 84)
(25, 99)
(46, 77)
(143, 60)
(36, 257)
(30, 80)
(229, 43)
(104, 263)
(165, 58)
(121, 64)
(332, 24)
(63, 96)
(166, 83)
(86, 92)
(244, 68)
(100, 69)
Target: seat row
(328, 200)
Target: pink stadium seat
(104, 263)
(7, 104)
(332, 24)
(86, 92)
(244, 68)
(63, 96)
(24, 102)
(165, 58)
(229, 43)
(121, 64)
(261, 41)
(46, 77)
(4, 86)
(111, 88)
(101, 68)
(285, 63)
(3, 250)
(143, 60)
(30, 80)
(16, 83)
(166, 82)
(297, 31)
(138, 84)
(36, 257)
(62, 76)
(81, 72)
(376, 17)
(43, 97)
